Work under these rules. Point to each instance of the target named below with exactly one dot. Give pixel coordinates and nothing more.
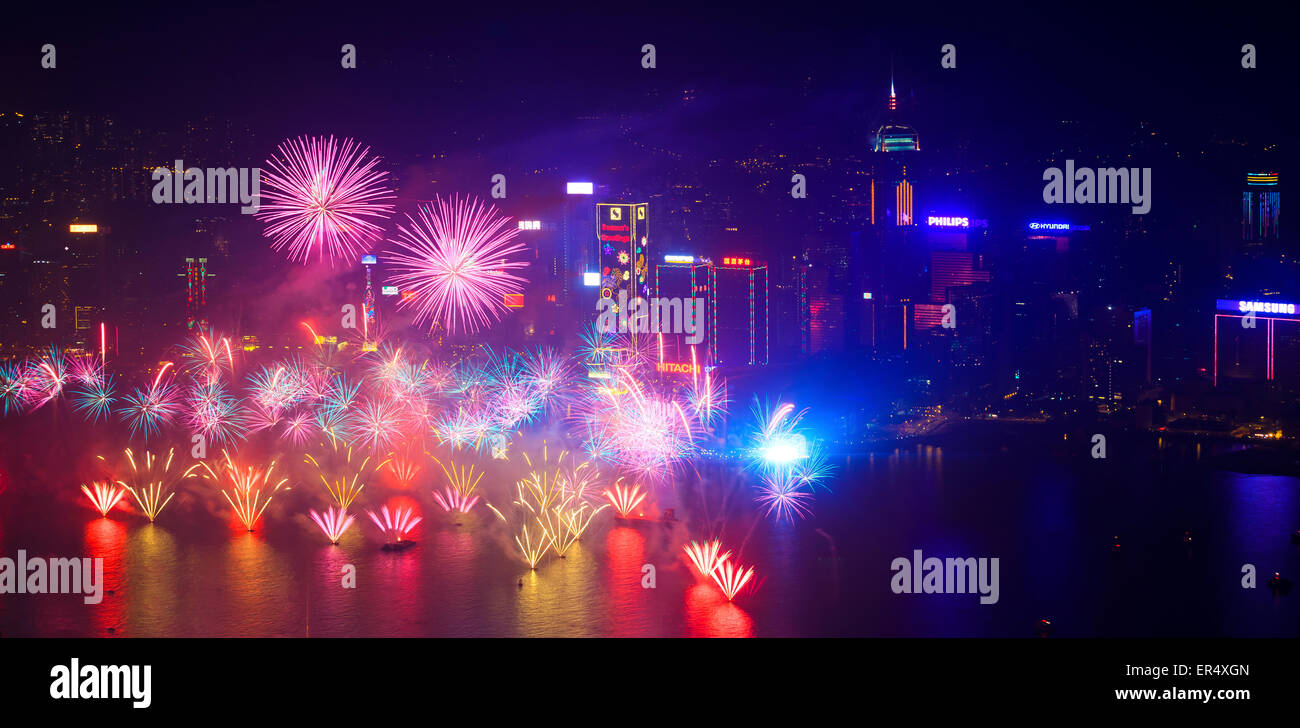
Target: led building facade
(1248, 336)
(196, 292)
(737, 308)
(370, 321)
(1260, 207)
(736, 294)
(623, 236)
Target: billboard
(623, 237)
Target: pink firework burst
(451, 500)
(395, 524)
(334, 522)
(324, 200)
(459, 258)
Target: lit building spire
(893, 100)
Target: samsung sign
(1274, 307)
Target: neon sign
(83, 228)
(938, 221)
(735, 261)
(530, 224)
(672, 367)
(1265, 307)
(580, 188)
(679, 259)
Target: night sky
(515, 74)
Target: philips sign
(948, 221)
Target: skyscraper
(196, 292)
(1260, 208)
(624, 241)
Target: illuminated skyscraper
(196, 292)
(951, 268)
(894, 135)
(368, 304)
(1260, 207)
(736, 305)
(624, 241)
(891, 142)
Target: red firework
(323, 200)
(625, 499)
(706, 557)
(458, 258)
(103, 496)
(731, 578)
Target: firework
(458, 258)
(277, 388)
(149, 409)
(376, 425)
(151, 480)
(209, 355)
(103, 496)
(543, 486)
(465, 428)
(46, 379)
(638, 429)
(298, 428)
(707, 395)
(459, 494)
(731, 578)
(706, 557)
(565, 522)
(95, 398)
(533, 543)
(789, 465)
(394, 524)
(549, 376)
(340, 473)
(212, 412)
(624, 499)
(334, 522)
(14, 381)
(245, 487)
(403, 467)
(322, 200)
